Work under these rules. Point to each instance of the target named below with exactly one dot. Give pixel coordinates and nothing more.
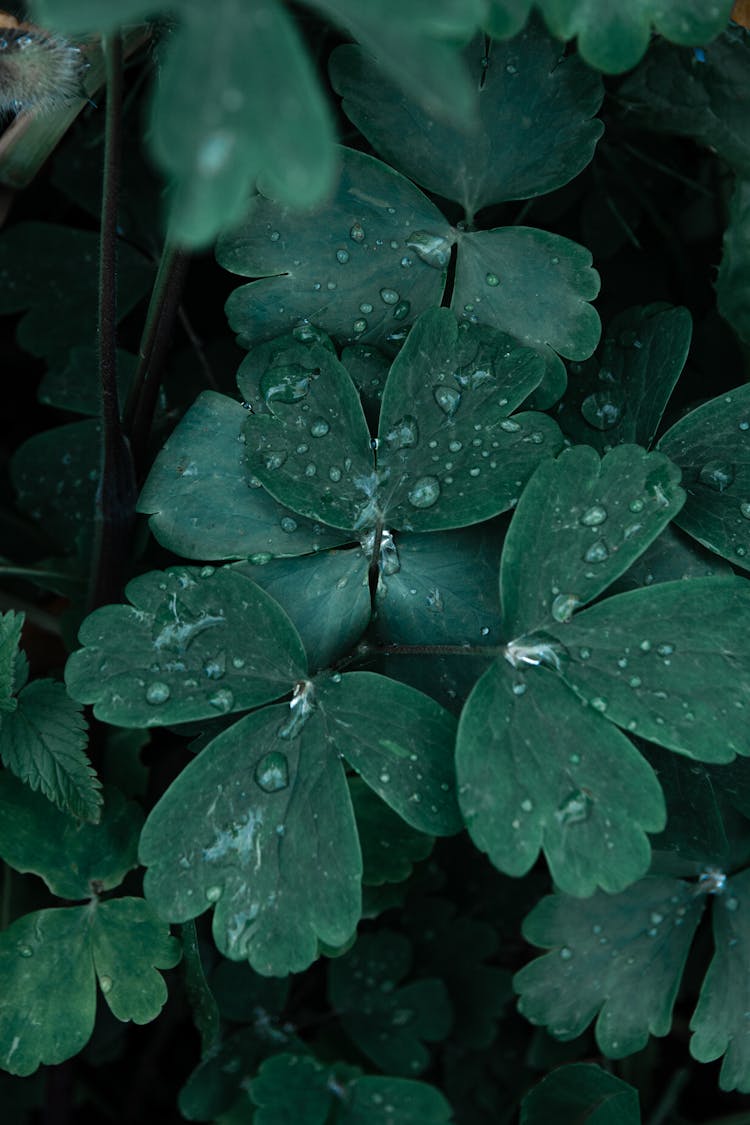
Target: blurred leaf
(390, 847)
(88, 15)
(733, 281)
(73, 382)
(578, 1092)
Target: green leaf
(220, 1076)
(215, 135)
(326, 597)
(581, 1092)
(389, 1021)
(534, 285)
(406, 755)
(733, 282)
(89, 15)
(204, 1009)
(270, 840)
(672, 556)
(73, 381)
(712, 447)
(534, 132)
(203, 502)
(10, 637)
(710, 101)
(390, 847)
(448, 452)
(617, 957)
(621, 398)
(377, 235)
(128, 945)
(506, 17)
(75, 859)
(56, 288)
(582, 522)
(719, 1022)
(536, 770)
(47, 989)
(668, 662)
(614, 38)
(181, 652)
(368, 368)
(243, 996)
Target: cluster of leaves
(441, 560)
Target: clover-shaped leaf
(618, 958)
(581, 1092)
(535, 129)
(390, 1021)
(187, 654)
(712, 447)
(390, 847)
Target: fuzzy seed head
(38, 70)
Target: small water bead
(744, 426)
(527, 805)
(717, 475)
(25, 951)
(599, 704)
(575, 808)
(342, 256)
(635, 681)
(272, 772)
(593, 516)
(274, 459)
(402, 310)
(431, 248)
(334, 474)
(274, 236)
(260, 558)
(565, 953)
(213, 894)
(455, 446)
(509, 426)
(424, 493)
(645, 646)
(215, 667)
(472, 472)
(366, 307)
(158, 692)
(238, 662)
(745, 509)
(656, 918)
(492, 279)
(403, 434)
(310, 470)
(359, 326)
(597, 552)
(105, 983)
(519, 689)
(563, 606)
(302, 448)
(389, 296)
(447, 398)
(602, 410)
(357, 232)
(288, 524)
(636, 506)
(319, 427)
(732, 904)
(665, 650)
(222, 700)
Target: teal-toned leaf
(182, 650)
(55, 474)
(441, 589)
(733, 282)
(388, 1020)
(326, 597)
(292, 1088)
(411, 42)
(534, 285)
(377, 1101)
(203, 501)
(10, 637)
(89, 15)
(617, 957)
(405, 755)
(75, 860)
(361, 267)
(244, 996)
(317, 462)
(43, 742)
(215, 1083)
(227, 128)
(204, 1009)
(669, 663)
(535, 130)
(719, 1023)
(73, 382)
(580, 523)
(129, 944)
(505, 18)
(621, 398)
(271, 841)
(55, 284)
(368, 368)
(710, 101)
(390, 847)
(536, 770)
(712, 447)
(614, 38)
(674, 555)
(47, 989)
(581, 1092)
(449, 454)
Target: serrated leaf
(390, 847)
(217, 134)
(181, 652)
(712, 447)
(535, 286)
(618, 958)
(719, 1023)
(75, 859)
(128, 945)
(406, 756)
(614, 38)
(534, 132)
(536, 770)
(583, 521)
(622, 396)
(202, 500)
(378, 234)
(668, 662)
(733, 282)
(10, 638)
(388, 1020)
(449, 453)
(43, 742)
(581, 1092)
(271, 840)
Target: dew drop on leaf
(601, 410)
(597, 552)
(105, 983)
(575, 808)
(319, 427)
(286, 384)
(25, 951)
(424, 493)
(403, 434)
(433, 249)
(342, 256)
(593, 516)
(213, 894)
(717, 475)
(563, 607)
(447, 398)
(402, 310)
(745, 509)
(222, 700)
(492, 279)
(389, 296)
(509, 426)
(274, 459)
(272, 772)
(357, 232)
(157, 692)
(288, 524)
(215, 666)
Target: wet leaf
(578, 1092)
(390, 847)
(616, 958)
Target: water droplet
(359, 326)
(215, 666)
(455, 446)
(342, 256)
(105, 983)
(519, 689)
(447, 398)
(385, 778)
(593, 516)
(366, 307)
(732, 904)
(527, 805)
(656, 918)
(274, 236)
(602, 410)
(563, 606)
(158, 692)
(433, 249)
(745, 509)
(289, 383)
(334, 473)
(260, 558)
(492, 279)
(566, 953)
(25, 951)
(402, 310)
(403, 434)
(575, 808)
(509, 426)
(274, 459)
(222, 700)
(717, 475)
(597, 552)
(598, 703)
(288, 524)
(402, 1016)
(272, 772)
(424, 493)
(357, 232)
(389, 296)
(213, 894)
(310, 470)
(636, 506)
(238, 662)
